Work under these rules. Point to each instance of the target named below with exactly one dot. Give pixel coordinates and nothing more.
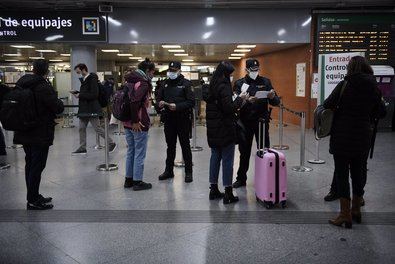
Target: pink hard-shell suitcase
(270, 174)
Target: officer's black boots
(166, 175)
(188, 177)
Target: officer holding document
(260, 94)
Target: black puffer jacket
(88, 97)
(220, 114)
(48, 106)
(352, 128)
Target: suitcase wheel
(283, 204)
(268, 205)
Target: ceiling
(200, 53)
(91, 4)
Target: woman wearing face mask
(176, 100)
(221, 132)
(136, 130)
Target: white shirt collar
(86, 76)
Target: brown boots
(356, 208)
(345, 214)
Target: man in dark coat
(4, 89)
(251, 112)
(36, 141)
(89, 109)
(177, 99)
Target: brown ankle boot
(356, 209)
(345, 214)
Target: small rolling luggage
(270, 174)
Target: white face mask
(231, 78)
(253, 74)
(172, 75)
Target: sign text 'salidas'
(42, 22)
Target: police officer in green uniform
(255, 109)
(176, 100)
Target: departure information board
(373, 34)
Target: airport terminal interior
(304, 47)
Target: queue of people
(356, 101)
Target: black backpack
(19, 110)
(103, 97)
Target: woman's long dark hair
(359, 64)
(223, 71)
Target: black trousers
(178, 127)
(251, 129)
(3, 151)
(36, 160)
(350, 164)
(364, 177)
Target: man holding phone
(260, 94)
(89, 109)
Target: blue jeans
(137, 148)
(226, 154)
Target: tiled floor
(76, 185)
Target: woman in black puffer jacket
(221, 130)
(351, 134)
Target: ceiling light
(22, 46)
(55, 60)
(210, 21)
(237, 54)
(246, 46)
(36, 58)
(54, 37)
(110, 50)
(113, 21)
(306, 22)
(207, 35)
(234, 58)
(176, 50)
(12, 54)
(124, 54)
(187, 60)
(135, 58)
(65, 54)
(181, 54)
(281, 32)
(11, 60)
(242, 50)
(171, 46)
(43, 51)
(134, 33)
(280, 41)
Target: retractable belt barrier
(302, 115)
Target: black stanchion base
(301, 169)
(196, 149)
(314, 161)
(111, 167)
(5, 167)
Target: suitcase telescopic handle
(261, 135)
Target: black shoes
(188, 177)
(331, 196)
(128, 183)
(166, 175)
(229, 197)
(238, 184)
(45, 200)
(39, 205)
(111, 147)
(79, 151)
(215, 193)
(140, 186)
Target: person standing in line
(36, 142)
(355, 101)
(221, 111)
(254, 109)
(4, 89)
(177, 99)
(136, 131)
(89, 109)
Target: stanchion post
(280, 145)
(302, 167)
(317, 159)
(106, 166)
(194, 148)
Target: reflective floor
(96, 220)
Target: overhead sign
(332, 68)
(53, 27)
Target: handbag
(323, 118)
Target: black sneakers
(128, 183)
(331, 196)
(188, 177)
(140, 186)
(79, 151)
(238, 184)
(166, 175)
(45, 200)
(112, 147)
(38, 206)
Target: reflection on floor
(97, 221)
